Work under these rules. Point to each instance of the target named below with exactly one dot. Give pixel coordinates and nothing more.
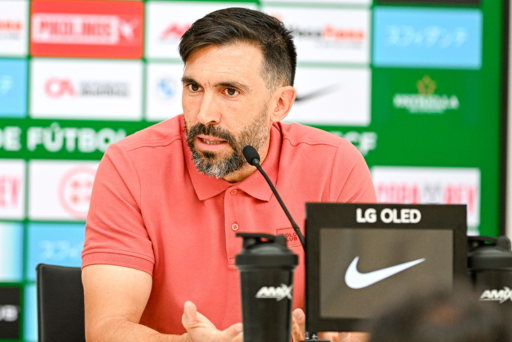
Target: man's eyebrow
(186, 79)
(228, 84)
(234, 84)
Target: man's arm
(115, 298)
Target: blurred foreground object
(442, 316)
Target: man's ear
(284, 98)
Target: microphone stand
(290, 218)
(255, 161)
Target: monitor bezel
(343, 215)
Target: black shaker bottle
(266, 274)
(490, 269)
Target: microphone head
(251, 155)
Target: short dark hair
(241, 25)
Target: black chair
(60, 304)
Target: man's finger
(189, 314)
(298, 325)
(239, 338)
(232, 332)
(334, 336)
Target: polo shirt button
(234, 192)
(234, 227)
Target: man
(168, 201)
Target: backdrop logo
(13, 28)
(86, 89)
(163, 90)
(13, 87)
(60, 190)
(426, 102)
(417, 185)
(12, 189)
(56, 88)
(331, 35)
(428, 38)
(344, 101)
(6, 84)
(174, 32)
(55, 244)
(166, 88)
(166, 22)
(10, 29)
(11, 252)
(75, 189)
(73, 29)
(435, 2)
(327, 35)
(9, 313)
(83, 29)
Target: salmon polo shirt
(151, 210)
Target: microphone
(253, 158)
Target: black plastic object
(490, 268)
(252, 156)
(266, 274)
(60, 304)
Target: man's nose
(209, 112)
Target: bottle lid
(495, 256)
(265, 250)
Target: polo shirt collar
(255, 185)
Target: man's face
(225, 104)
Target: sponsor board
(13, 28)
(30, 315)
(13, 87)
(69, 137)
(11, 252)
(328, 96)
(364, 141)
(86, 89)
(60, 190)
(426, 101)
(55, 138)
(447, 38)
(163, 91)
(434, 2)
(107, 29)
(424, 185)
(446, 98)
(12, 189)
(168, 21)
(327, 35)
(341, 2)
(54, 244)
(10, 312)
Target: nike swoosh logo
(357, 280)
(316, 93)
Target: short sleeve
(115, 233)
(351, 181)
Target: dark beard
(209, 163)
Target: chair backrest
(60, 304)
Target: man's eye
(194, 87)
(232, 92)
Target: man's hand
(299, 331)
(200, 329)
